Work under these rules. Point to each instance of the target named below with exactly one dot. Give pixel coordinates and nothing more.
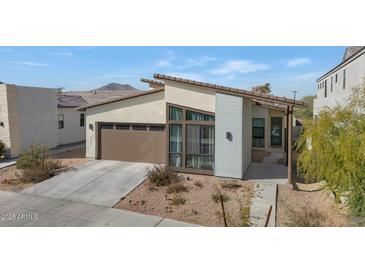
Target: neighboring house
(190, 126)
(70, 122)
(27, 115)
(334, 87)
(46, 116)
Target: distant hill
(116, 87)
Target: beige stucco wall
(37, 116)
(246, 134)
(72, 132)
(190, 96)
(143, 109)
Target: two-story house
(334, 87)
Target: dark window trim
(344, 80)
(184, 122)
(82, 119)
(255, 137)
(61, 123)
(325, 88)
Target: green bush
(34, 156)
(332, 148)
(2, 148)
(162, 176)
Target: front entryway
(276, 131)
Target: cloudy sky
(84, 68)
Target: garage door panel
(133, 145)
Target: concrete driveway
(98, 182)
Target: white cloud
(32, 64)
(198, 62)
(239, 66)
(62, 53)
(297, 62)
(164, 63)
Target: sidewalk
(19, 209)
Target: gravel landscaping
(9, 175)
(192, 200)
(311, 201)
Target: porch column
(289, 148)
(286, 134)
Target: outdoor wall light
(2, 124)
(229, 136)
(91, 127)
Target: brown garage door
(134, 143)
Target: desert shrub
(245, 216)
(178, 200)
(230, 185)
(34, 156)
(39, 173)
(162, 176)
(2, 148)
(198, 184)
(332, 148)
(216, 196)
(176, 188)
(305, 217)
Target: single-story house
(190, 126)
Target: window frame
(184, 122)
(82, 119)
(61, 123)
(344, 79)
(253, 133)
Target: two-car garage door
(132, 142)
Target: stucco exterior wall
(193, 97)
(143, 109)
(355, 75)
(37, 116)
(72, 132)
(229, 151)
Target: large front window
(191, 139)
(199, 146)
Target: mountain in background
(116, 87)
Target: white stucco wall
(355, 74)
(72, 131)
(228, 153)
(143, 109)
(37, 116)
(193, 97)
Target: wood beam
(289, 148)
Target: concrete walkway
(98, 182)
(7, 163)
(20, 209)
(264, 197)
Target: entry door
(276, 131)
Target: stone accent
(9, 116)
(4, 118)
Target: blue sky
(84, 68)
